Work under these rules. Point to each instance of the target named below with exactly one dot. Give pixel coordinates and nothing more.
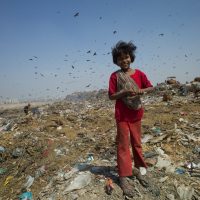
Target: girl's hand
(140, 91)
(129, 93)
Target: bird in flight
(76, 15)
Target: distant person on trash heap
(27, 109)
(125, 86)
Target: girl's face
(124, 61)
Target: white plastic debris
(143, 170)
(29, 181)
(163, 179)
(163, 163)
(81, 181)
(183, 120)
(161, 152)
(146, 138)
(184, 192)
(170, 197)
(59, 128)
(191, 165)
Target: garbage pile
(66, 150)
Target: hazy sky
(50, 48)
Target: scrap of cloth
(126, 82)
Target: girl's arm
(123, 93)
(146, 90)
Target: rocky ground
(66, 150)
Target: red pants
(127, 133)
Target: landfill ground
(66, 149)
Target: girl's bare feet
(127, 189)
(141, 179)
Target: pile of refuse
(66, 149)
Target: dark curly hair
(123, 48)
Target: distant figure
(27, 108)
(125, 86)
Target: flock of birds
(75, 69)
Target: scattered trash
(183, 90)
(160, 152)
(82, 166)
(97, 170)
(185, 192)
(26, 196)
(179, 171)
(191, 165)
(18, 152)
(156, 131)
(109, 186)
(196, 150)
(183, 113)
(7, 127)
(163, 179)
(146, 138)
(183, 120)
(8, 179)
(29, 182)
(170, 197)
(68, 150)
(3, 171)
(151, 161)
(163, 163)
(143, 170)
(39, 172)
(90, 158)
(61, 151)
(2, 149)
(36, 111)
(150, 154)
(82, 180)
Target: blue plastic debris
(179, 171)
(26, 196)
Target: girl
(125, 86)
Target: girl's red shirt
(122, 112)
